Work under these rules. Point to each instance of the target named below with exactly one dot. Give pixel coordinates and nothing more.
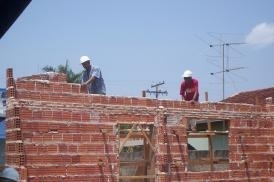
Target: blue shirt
(98, 86)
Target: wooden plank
(127, 137)
(147, 130)
(208, 132)
(148, 140)
(199, 135)
(210, 146)
(135, 135)
(134, 163)
(137, 177)
(207, 161)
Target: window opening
(207, 144)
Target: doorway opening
(136, 152)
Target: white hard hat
(187, 74)
(10, 173)
(84, 59)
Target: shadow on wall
(2, 140)
(2, 151)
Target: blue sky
(140, 43)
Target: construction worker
(92, 77)
(189, 87)
(9, 174)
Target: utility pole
(223, 62)
(157, 91)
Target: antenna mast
(223, 62)
(157, 91)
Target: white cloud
(261, 34)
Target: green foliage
(48, 69)
(71, 76)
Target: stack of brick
(57, 132)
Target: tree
(71, 76)
(48, 69)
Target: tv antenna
(157, 91)
(223, 45)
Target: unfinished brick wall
(57, 132)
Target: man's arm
(95, 74)
(90, 80)
(196, 91)
(182, 91)
(194, 96)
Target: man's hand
(84, 87)
(192, 101)
(84, 84)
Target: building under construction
(57, 132)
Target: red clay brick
(56, 132)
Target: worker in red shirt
(189, 87)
